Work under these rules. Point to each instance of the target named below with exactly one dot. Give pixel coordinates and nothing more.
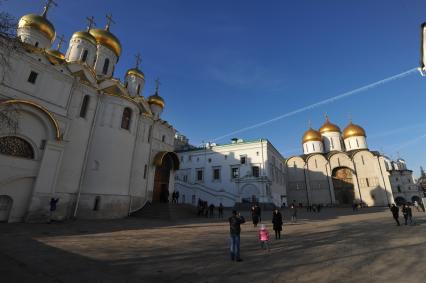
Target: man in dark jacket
(395, 213)
(234, 228)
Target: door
(5, 208)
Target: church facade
(72, 131)
(337, 168)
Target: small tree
(422, 173)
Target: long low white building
(241, 171)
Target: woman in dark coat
(254, 216)
(277, 220)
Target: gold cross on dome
(157, 85)
(91, 22)
(109, 21)
(138, 60)
(47, 6)
(61, 40)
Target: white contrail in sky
(320, 103)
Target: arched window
(36, 44)
(84, 57)
(125, 120)
(84, 106)
(106, 65)
(15, 146)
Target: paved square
(336, 245)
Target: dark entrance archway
(6, 203)
(343, 186)
(165, 162)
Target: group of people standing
(236, 220)
(206, 210)
(407, 212)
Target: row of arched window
(126, 117)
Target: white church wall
(370, 179)
(353, 143)
(332, 141)
(34, 37)
(76, 140)
(318, 178)
(296, 188)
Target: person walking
(293, 210)
(52, 208)
(277, 221)
(220, 208)
(235, 222)
(405, 212)
(395, 214)
(254, 216)
(410, 214)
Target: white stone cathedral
(78, 133)
(338, 168)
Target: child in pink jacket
(264, 237)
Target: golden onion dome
(311, 135)
(156, 100)
(329, 127)
(84, 35)
(106, 38)
(353, 130)
(40, 23)
(135, 72)
(56, 53)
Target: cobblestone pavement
(336, 245)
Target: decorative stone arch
(16, 146)
(162, 155)
(42, 109)
(290, 161)
(337, 159)
(343, 185)
(165, 162)
(249, 193)
(400, 200)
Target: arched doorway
(416, 198)
(5, 208)
(343, 186)
(400, 200)
(165, 162)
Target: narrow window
(84, 57)
(332, 143)
(362, 159)
(145, 170)
(138, 89)
(226, 157)
(367, 182)
(209, 160)
(243, 159)
(127, 83)
(84, 106)
(33, 77)
(199, 175)
(216, 174)
(125, 120)
(399, 189)
(255, 171)
(350, 146)
(235, 172)
(97, 203)
(313, 147)
(316, 164)
(149, 133)
(106, 65)
(357, 144)
(36, 44)
(163, 138)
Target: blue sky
(225, 65)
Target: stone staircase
(166, 211)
